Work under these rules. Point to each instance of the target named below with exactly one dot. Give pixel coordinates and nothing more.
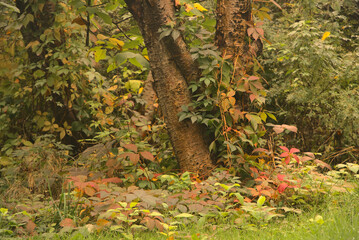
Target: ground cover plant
(136, 118)
(336, 219)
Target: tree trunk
(233, 17)
(43, 20)
(172, 68)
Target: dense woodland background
(128, 114)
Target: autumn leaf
(131, 147)
(134, 157)
(280, 177)
(90, 191)
(282, 187)
(199, 7)
(102, 222)
(325, 35)
(112, 180)
(188, 7)
(147, 155)
(285, 149)
(67, 222)
(30, 227)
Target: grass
(337, 218)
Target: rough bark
(172, 67)
(233, 17)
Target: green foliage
(313, 79)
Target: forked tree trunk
(172, 68)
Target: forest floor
(337, 217)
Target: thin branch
(88, 25)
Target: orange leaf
(102, 222)
(90, 191)
(112, 180)
(30, 227)
(67, 222)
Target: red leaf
(284, 148)
(252, 97)
(131, 147)
(287, 159)
(147, 155)
(296, 158)
(294, 150)
(285, 154)
(67, 222)
(282, 187)
(280, 177)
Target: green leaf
(182, 117)
(105, 17)
(175, 34)
(165, 33)
(100, 54)
(143, 61)
(133, 85)
(39, 73)
(212, 146)
(10, 6)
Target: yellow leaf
(101, 36)
(62, 134)
(199, 7)
(116, 42)
(325, 35)
(114, 87)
